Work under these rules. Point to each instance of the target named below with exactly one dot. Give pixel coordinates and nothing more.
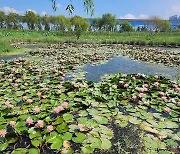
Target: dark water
(128, 66)
(10, 57)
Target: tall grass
(134, 38)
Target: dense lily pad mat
(42, 113)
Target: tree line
(108, 23)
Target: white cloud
(31, 10)
(131, 16)
(8, 10)
(128, 16)
(176, 9)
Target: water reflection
(128, 66)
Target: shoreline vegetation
(9, 39)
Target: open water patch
(128, 66)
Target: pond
(128, 66)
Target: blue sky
(120, 8)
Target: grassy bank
(134, 38)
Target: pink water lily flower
(177, 89)
(162, 93)
(8, 104)
(126, 85)
(156, 84)
(65, 105)
(167, 110)
(50, 128)
(39, 124)
(133, 78)
(140, 95)
(12, 123)
(145, 85)
(142, 89)
(25, 98)
(134, 98)
(164, 98)
(81, 127)
(29, 121)
(3, 133)
(37, 110)
(58, 109)
(175, 86)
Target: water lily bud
(29, 121)
(139, 75)
(124, 75)
(44, 96)
(66, 144)
(3, 133)
(25, 98)
(156, 76)
(12, 123)
(26, 84)
(167, 110)
(50, 128)
(38, 94)
(10, 80)
(121, 82)
(114, 86)
(29, 101)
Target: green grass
(133, 38)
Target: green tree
(160, 25)
(109, 22)
(79, 25)
(13, 21)
(126, 27)
(46, 22)
(97, 24)
(31, 19)
(2, 19)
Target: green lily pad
(80, 137)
